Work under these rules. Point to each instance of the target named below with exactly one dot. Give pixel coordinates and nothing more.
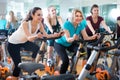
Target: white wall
(65, 5)
(118, 4)
(3, 7)
(99, 2)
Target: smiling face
(77, 17)
(38, 16)
(52, 11)
(95, 11)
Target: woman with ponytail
(30, 29)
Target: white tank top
(19, 35)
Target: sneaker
(50, 62)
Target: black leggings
(61, 50)
(14, 51)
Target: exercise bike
(6, 63)
(31, 67)
(95, 53)
(87, 67)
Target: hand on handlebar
(76, 37)
(39, 35)
(95, 36)
(98, 35)
(61, 33)
(71, 39)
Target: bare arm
(42, 30)
(67, 35)
(28, 35)
(60, 21)
(90, 27)
(86, 37)
(106, 27)
(48, 24)
(48, 35)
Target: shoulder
(89, 18)
(83, 23)
(59, 17)
(24, 23)
(67, 24)
(99, 17)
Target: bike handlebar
(106, 48)
(2, 38)
(84, 41)
(45, 38)
(91, 45)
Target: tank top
(19, 35)
(56, 28)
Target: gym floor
(79, 67)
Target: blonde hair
(50, 7)
(74, 11)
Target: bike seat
(30, 67)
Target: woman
(24, 37)
(94, 22)
(53, 23)
(12, 23)
(72, 29)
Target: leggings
(61, 50)
(14, 51)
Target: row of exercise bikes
(105, 46)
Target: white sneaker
(50, 62)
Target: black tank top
(56, 28)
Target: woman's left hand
(95, 36)
(59, 34)
(76, 37)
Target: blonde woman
(53, 23)
(72, 29)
